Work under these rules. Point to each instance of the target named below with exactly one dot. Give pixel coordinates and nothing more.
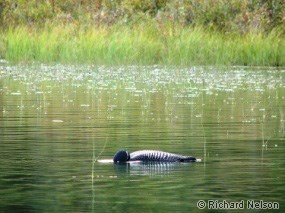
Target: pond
(56, 121)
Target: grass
(142, 44)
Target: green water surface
(56, 120)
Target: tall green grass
(143, 44)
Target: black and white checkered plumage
(151, 155)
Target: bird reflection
(148, 168)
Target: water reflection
(55, 119)
(149, 168)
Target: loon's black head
(121, 156)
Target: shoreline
(142, 45)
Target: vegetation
(232, 32)
(143, 45)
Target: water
(56, 120)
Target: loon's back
(154, 155)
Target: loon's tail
(188, 159)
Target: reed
(141, 44)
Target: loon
(150, 155)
